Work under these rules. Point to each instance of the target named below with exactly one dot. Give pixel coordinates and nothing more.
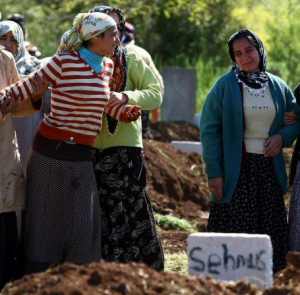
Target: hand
(290, 118)
(216, 187)
(130, 113)
(118, 98)
(273, 146)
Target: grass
(169, 222)
(176, 262)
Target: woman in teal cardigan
(243, 132)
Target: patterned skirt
(257, 207)
(128, 225)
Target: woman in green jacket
(128, 232)
(243, 132)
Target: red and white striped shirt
(78, 98)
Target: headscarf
(119, 78)
(257, 79)
(85, 27)
(109, 10)
(24, 61)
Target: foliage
(171, 222)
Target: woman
(294, 177)
(243, 132)
(61, 187)
(12, 183)
(129, 232)
(12, 39)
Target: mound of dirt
(289, 278)
(117, 279)
(168, 131)
(177, 182)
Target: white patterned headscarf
(10, 26)
(85, 27)
(25, 63)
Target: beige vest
(12, 182)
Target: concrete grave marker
(180, 94)
(188, 146)
(231, 257)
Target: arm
(32, 87)
(290, 132)
(147, 90)
(211, 134)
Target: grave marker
(230, 257)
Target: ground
(177, 187)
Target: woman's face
(8, 41)
(246, 55)
(106, 43)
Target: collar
(94, 60)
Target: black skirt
(8, 247)
(128, 225)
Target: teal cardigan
(222, 130)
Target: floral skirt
(128, 225)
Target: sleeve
(13, 76)
(147, 92)
(211, 133)
(31, 87)
(290, 132)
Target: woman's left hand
(273, 146)
(290, 118)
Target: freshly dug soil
(177, 183)
(117, 279)
(168, 131)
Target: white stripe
(96, 108)
(75, 65)
(60, 112)
(23, 90)
(56, 67)
(78, 88)
(78, 73)
(28, 85)
(79, 101)
(78, 119)
(74, 125)
(50, 74)
(84, 80)
(80, 95)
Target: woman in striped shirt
(62, 220)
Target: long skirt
(294, 214)
(128, 225)
(8, 247)
(257, 207)
(63, 212)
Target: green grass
(176, 262)
(169, 222)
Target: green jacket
(222, 130)
(143, 89)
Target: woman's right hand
(216, 187)
(290, 118)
